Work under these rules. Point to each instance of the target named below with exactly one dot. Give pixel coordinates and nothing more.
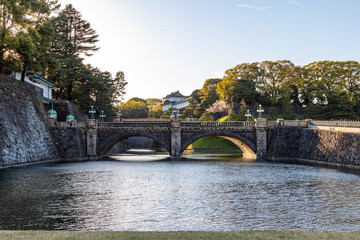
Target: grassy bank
(213, 143)
(55, 235)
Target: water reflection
(179, 195)
(217, 156)
(139, 158)
(139, 155)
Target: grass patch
(213, 143)
(77, 235)
(223, 119)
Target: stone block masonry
(261, 136)
(70, 143)
(24, 135)
(324, 147)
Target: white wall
(182, 104)
(45, 89)
(176, 99)
(175, 105)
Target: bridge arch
(106, 142)
(246, 145)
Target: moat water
(220, 194)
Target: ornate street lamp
(247, 115)
(175, 113)
(120, 115)
(102, 116)
(92, 111)
(260, 110)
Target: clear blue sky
(168, 45)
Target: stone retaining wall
(24, 135)
(320, 146)
(70, 143)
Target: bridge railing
(72, 124)
(272, 124)
(294, 123)
(200, 124)
(145, 120)
(342, 124)
(156, 124)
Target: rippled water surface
(179, 195)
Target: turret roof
(175, 94)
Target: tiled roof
(35, 75)
(175, 94)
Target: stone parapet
(92, 123)
(55, 124)
(175, 124)
(260, 123)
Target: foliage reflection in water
(179, 195)
(217, 156)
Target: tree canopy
(319, 90)
(38, 35)
(26, 35)
(135, 108)
(318, 87)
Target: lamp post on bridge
(175, 113)
(260, 110)
(247, 115)
(92, 111)
(102, 116)
(120, 115)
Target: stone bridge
(175, 135)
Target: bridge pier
(91, 137)
(261, 136)
(175, 126)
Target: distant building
(175, 100)
(44, 86)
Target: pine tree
(242, 111)
(74, 38)
(272, 113)
(100, 89)
(288, 113)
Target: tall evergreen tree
(288, 112)
(99, 89)
(74, 38)
(242, 111)
(272, 113)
